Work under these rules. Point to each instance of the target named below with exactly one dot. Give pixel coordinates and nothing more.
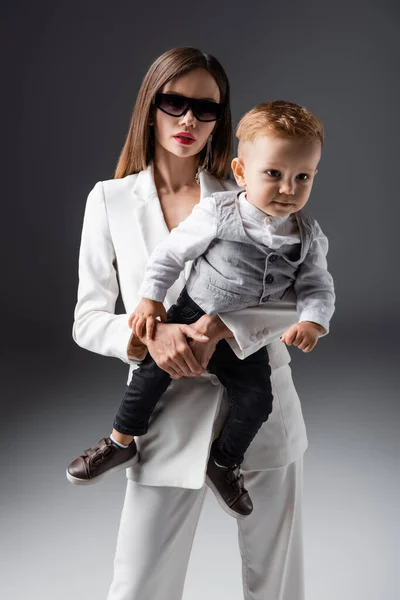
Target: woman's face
(198, 84)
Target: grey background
(71, 73)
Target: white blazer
(122, 225)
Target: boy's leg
(149, 381)
(249, 390)
(248, 384)
(271, 538)
(154, 542)
(146, 387)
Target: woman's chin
(182, 151)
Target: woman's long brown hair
(138, 150)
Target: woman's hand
(170, 349)
(216, 330)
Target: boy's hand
(304, 335)
(145, 314)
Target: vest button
(273, 257)
(265, 299)
(269, 278)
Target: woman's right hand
(169, 348)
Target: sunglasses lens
(175, 105)
(207, 111)
(171, 104)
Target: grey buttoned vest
(236, 272)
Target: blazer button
(265, 331)
(214, 380)
(259, 336)
(269, 278)
(253, 338)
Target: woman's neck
(173, 174)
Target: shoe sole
(222, 502)
(125, 465)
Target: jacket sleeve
(314, 284)
(96, 326)
(259, 326)
(263, 325)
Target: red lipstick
(185, 138)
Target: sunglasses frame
(191, 104)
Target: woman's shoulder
(113, 192)
(115, 188)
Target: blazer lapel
(148, 210)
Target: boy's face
(278, 172)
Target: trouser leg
(146, 387)
(149, 381)
(271, 538)
(154, 542)
(248, 385)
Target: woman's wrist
(137, 347)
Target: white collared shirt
(264, 229)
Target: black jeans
(248, 384)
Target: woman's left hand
(215, 329)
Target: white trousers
(158, 525)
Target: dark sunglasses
(177, 106)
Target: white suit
(123, 224)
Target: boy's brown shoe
(100, 460)
(227, 485)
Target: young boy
(248, 247)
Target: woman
(175, 153)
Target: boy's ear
(238, 171)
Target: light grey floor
(53, 535)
